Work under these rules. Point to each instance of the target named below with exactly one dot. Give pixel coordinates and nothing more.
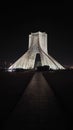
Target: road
(38, 108)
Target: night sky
(17, 23)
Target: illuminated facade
(37, 54)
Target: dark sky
(53, 18)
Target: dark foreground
(36, 100)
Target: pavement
(38, 108)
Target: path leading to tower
(37, 108)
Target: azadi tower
(37, 54)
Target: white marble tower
(37, 54)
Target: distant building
(71, 67)
(37, 54)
